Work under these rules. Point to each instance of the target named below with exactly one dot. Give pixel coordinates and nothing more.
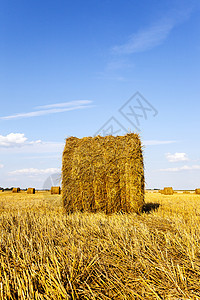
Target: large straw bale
(103, 174)
(31, 191)
(16, 190)
(197, 191)
(55, 190)
(168, 191)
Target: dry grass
(45, 254)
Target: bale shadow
(149, 207)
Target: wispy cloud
(65, 104)
(110, 76)
(154, 35)
(51, 109)
(15, 140)
(157, 142)
(117, 64)
(183, 168)
(43, 156)
(146, 39)
(1, 166)
(34, 171)
(178, 156)
(113, 70)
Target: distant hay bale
(103, 174)
(16, 190)
(186, 192)
(161, 191)
(55, 190)
(197, 191)
(31, 191)
(168, 191)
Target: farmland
(46, 254)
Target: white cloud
(1, 166)
(14, 143)
(43, 156)
(184, 168)
(65, 104)
(51, 109)
(12, 139)
(35, 148)
(34, 171)
(154, 35)
(107, 76)
(178, 156)
(157, 142)
(15, 140)
(146, 39)
(118, 65)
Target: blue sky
(77, 68)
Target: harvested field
(46, 254)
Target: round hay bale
(103, 174)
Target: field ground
(45, 254)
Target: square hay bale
(103, 174)
(161, 191)
(16, 190)
(197, 191)
(31, 191)
(55, 190)
(168, 191)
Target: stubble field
(46, 254)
